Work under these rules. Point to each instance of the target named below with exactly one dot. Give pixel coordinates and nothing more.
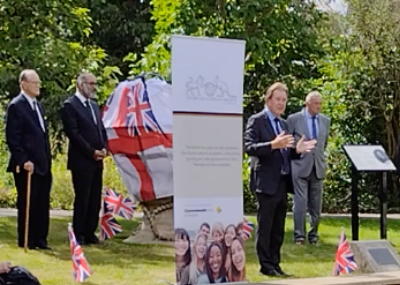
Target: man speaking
(272, 147)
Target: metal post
(383, 205)
(354, 204)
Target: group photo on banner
(214, 254)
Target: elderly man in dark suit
(87, 141)
(28, 140)
(271, 147)
(308, 171)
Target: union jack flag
(119, 205)
(80, 266)
(137, 113)
(344, 262)
(138, 121)
(247, 229)
(109, 226)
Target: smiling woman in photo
(238, 259)
(191, 273)
(215, 261)
(182, 251)
(230, 234)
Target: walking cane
(28, 205)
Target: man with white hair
(27, 138)
(308, 171)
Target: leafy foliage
(281, 40)
(360, 81)
(48, 36)
(129, 30)
(157, 57)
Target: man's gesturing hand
(305, 146)
(282, 141)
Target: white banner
(207, 87)
(208, 73)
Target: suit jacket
(85, 136)
(302, 167)
(265, 162)
(25, 137)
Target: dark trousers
(39, 207)
(87, 185)
(271, 226)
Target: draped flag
(118, 204)
(138, 121)
(109, 226)
(344, 262)
(247, 228)
(80, 266)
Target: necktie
(90, 110)
(314, 127)
(38, 115)
(277, 128)
(285, 159)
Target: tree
(48, 36)
(375, 35)
(121, 27)
(360, 80)
(281, 39)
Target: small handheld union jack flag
(119, 205)
(344, 262)
(80, 266)
(247, 229)
(109, 226)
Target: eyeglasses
(34, 82)
(91, 83)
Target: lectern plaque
(369, 158)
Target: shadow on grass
(115, 252)
(112, 251)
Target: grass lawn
(115, 262)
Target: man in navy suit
(271, 147)
(87, 148)
(28, 140)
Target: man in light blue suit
(308, 171)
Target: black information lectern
(368, 158)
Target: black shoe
(313, 242)
(43, 245)
(270, 272)
(281, 272)
(92, 240)
(30, 246)
(81, 240)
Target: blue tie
(314, 127)
(285, 159)
(277, 128)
